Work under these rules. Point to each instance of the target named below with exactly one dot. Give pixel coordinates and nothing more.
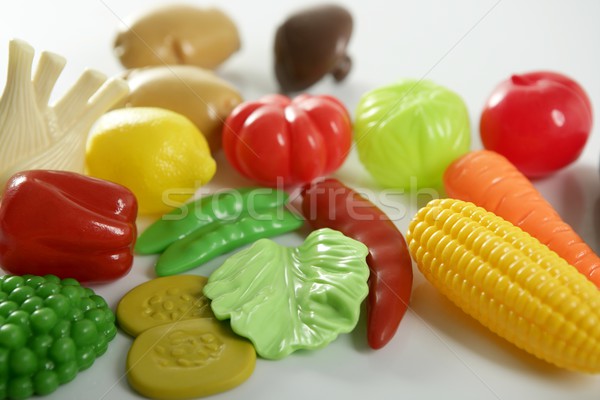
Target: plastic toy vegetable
(311, 44)
(163, 301)
(407, 133)
(34, 135)
(66, 224)
(50, 330)
(509, 282)
(196, 93)
(203, 245)
(178, 34)
(180, 350)
(490, 181)
(331, 204)
(188, 359)
(215, 225)
(285, 299)
(158, 154)
(225, 205)
(540, 121)
(277, 141)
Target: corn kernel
(509, 282)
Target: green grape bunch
(50, 329)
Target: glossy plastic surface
(188, 359)
(178, 88)
(177, 34)
(51, 330)
(216, 224)
(286, 299)
(158, 154)
(331, 204)
(67, 224)
(438, 352)
(278, 141)
(312, 43)
(511, 195)
(37, 134)
(163, 301)
(223, 206)
(221, 237)
(408, 132)
(540, 121)
(509, 282)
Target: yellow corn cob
(509, 281)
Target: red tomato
(540, 121)
(276, 140)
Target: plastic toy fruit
(178, 34)
(311, 44)
(540, 121)
(196, 93)
(407, 133)
(50, 330)
(277, 141)
(158, 154)
(285, 299)
(67, 224)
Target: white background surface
(468, 46)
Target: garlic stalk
(34, 135)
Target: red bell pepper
(276, 140)
(331, 204)
(67, 224)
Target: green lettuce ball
(407, 133)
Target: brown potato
(178, 34)
(194, 92)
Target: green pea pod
(221, 237)
(206, 213)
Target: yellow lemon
(158, 154)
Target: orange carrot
(490, 181)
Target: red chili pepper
(277, 140)
(67, 224)
(331, 204)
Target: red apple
(540, 121)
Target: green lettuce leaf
(285, 299)
(407, 133)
